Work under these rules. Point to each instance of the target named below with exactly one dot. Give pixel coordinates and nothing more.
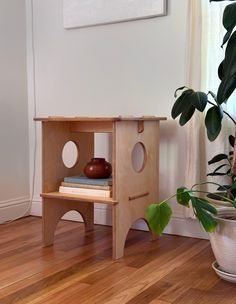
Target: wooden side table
(131, 191)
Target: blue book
(81, 179)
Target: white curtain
(204, 55)
(193, 80)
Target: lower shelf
(81, 198)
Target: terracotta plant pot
(98, 168)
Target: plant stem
(212, 183)
(204, 183)
(218, 195)
(230, 117)
(166, 200)
(200, 191)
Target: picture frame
(86, 13)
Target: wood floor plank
(150, 294)
(157, 301)
(194, 296)
(79, 268)
(191, 272)
(35, 276)
(54, 294)
(144, 277)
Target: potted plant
(220, 224)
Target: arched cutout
(141, 224)
(138, 157)
(70, 154)
(73, 215)
(79, 215)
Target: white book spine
(84, 191)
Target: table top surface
(100, 118)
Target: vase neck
(98, 159)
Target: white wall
(14, 185)
(130, 68)
(126, 68)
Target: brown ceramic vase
(98, 168)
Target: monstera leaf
(158, 215)
(205, 213)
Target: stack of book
(82, 185)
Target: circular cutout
(138, 157)
(70, 154)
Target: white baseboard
(36, 208)
(103, 216)
(13, 209)
(179, 226)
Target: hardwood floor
(79, 269)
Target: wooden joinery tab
(140, 126)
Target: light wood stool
(132, 191)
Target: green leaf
(229, 16)
(213, 95)
(227, 71)
(216, 174)
(224, 187)
(217, 158)
(226, 37)
(221, 70)
(213, 122)
(231, 140)
(158, 216)
(179, 89)
(186, 104)
(217, 169)
(221, 166)
(187, 114)
(229, 20)
(181, 103)
(199, 100)
(208, 222)
(204, 204)
(220, 0)
(183, 196)
(226, 88)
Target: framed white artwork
(83, 13)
